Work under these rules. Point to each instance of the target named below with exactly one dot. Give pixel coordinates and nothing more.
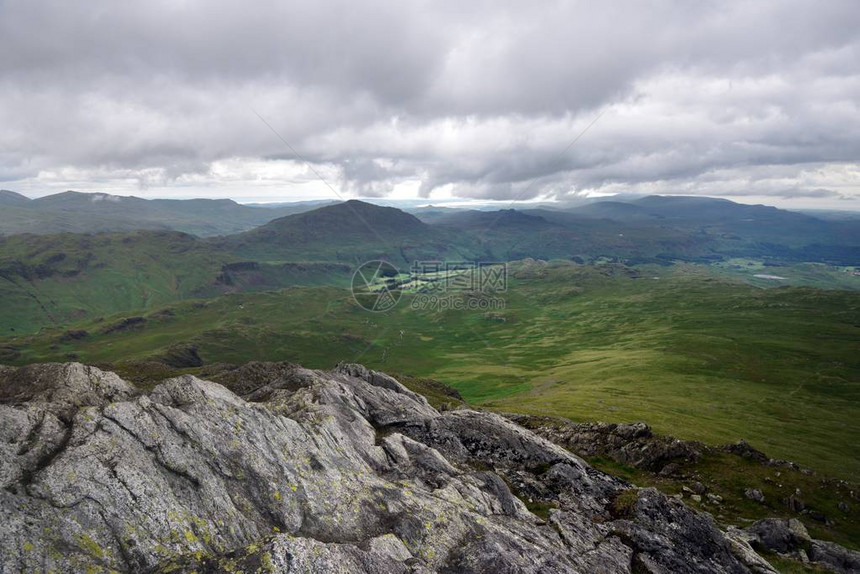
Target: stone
(835, 557)
(742, 549)
(754, 494)
(795, 504)
(745, 450)
(313, 471)
(780, 535)
(633, 444)
(791, 538)
(698, 488)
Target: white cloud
(475, 100)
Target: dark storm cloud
(474, 99)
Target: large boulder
(310, 471)
(789, 537)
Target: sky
(754, 101)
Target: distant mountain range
(76, 212)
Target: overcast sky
(756, 101)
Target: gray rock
(835, 557)
(284, 553)
(658, 527)
(791, 538)
(61, 387)
(795, 504)
(779, 535)
(631, 444)
(636, 445)
(754, 494)
(743, 449)
(698, 488)
(310, 471)
(741, 546)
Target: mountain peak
(355, 215)
(683, 199)
(71, 196)
(352, 222)
(10, 197)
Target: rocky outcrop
(632, 444)
(790, 538)
(310, 471)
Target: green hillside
(55, 279)
(694, 355)
(352, 232)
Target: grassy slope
(694, 356)
(57, 278)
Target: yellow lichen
(90, 546)
(266, 563)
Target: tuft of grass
(789, 566)
(539, 509)
(623, 504)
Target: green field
(693, 354)
(755, 272)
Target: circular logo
(376, 286)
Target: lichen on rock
(310, 471)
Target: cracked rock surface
(311, 471)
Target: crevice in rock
(29, 474)
(32, 436)
(111, 467)
(159, 457)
